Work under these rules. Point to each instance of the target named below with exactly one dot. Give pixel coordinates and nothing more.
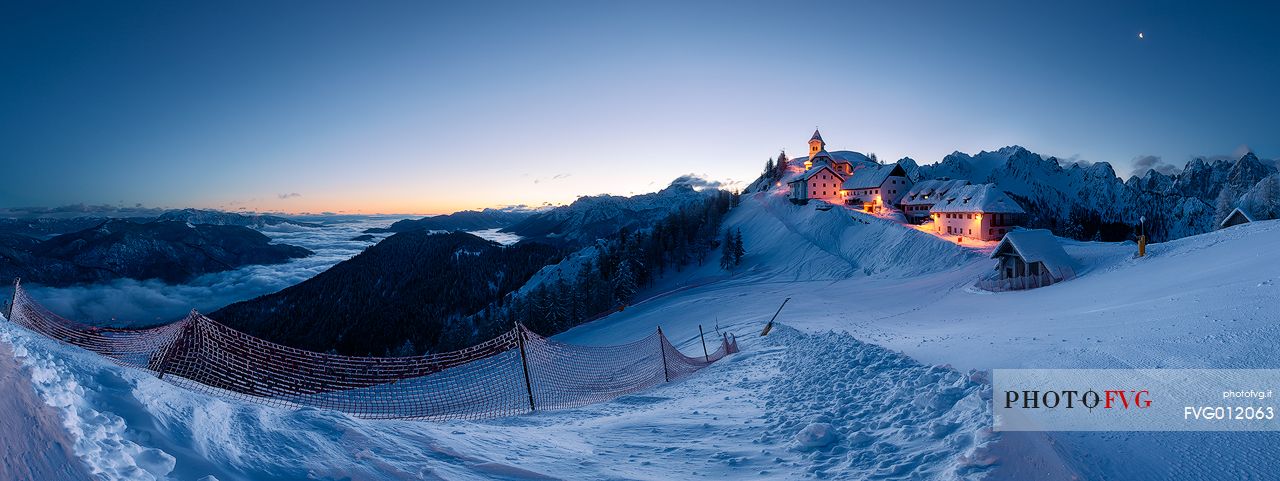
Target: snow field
(98, 436)
(855, 410)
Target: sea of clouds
(128, 302)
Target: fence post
(705, 355)
(662, 351)
(17, 284)
(524, 362)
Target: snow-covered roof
(930, 191)
(822, 154)
(977, 198)
(816, 136)
(1037, 245)
(851, 157)
(808, 174)
(872, 176)
(1238, 214)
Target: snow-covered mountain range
(1092, 202)
(467, 220)
(593, 217)
(171, 251)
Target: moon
(1140, 36)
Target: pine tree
(769, 168)
(739, 250)
(736, 199)
(624, 284)
(726, 251)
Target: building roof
(816, 136)
(1237, 214)
(808, 174)
(977, 198)
(820, 155)
(1037, 245)
(930, 191)
(872, 176)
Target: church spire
(816, 144)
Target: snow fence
(514, 373)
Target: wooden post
(769, 327)
(17, 284)
(662, 351)
(705, 355)
(524, 362)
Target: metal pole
(705, 356)
(662, 351)
(769, 327)
(524, 362)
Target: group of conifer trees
(775, 169)
(621, 266)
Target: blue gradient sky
(427, 107)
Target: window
(970, 231)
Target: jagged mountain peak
(591, 217)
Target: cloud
(522, 208)
(1074, 159)
(697, 182)
(554, 177)
(1241, 151)
(1143, 163)
(289, 195)
(133, 302)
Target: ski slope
(878, 372)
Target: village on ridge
(972, 215)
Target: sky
(433, 107)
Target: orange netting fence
(516, 372)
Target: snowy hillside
(878, 371)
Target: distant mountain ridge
(43, 227)
(594, 217)
(467, 220)
(217, 217)
(170, 251)
(1092, 202)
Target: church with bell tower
(816, 144)
(818, 156)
